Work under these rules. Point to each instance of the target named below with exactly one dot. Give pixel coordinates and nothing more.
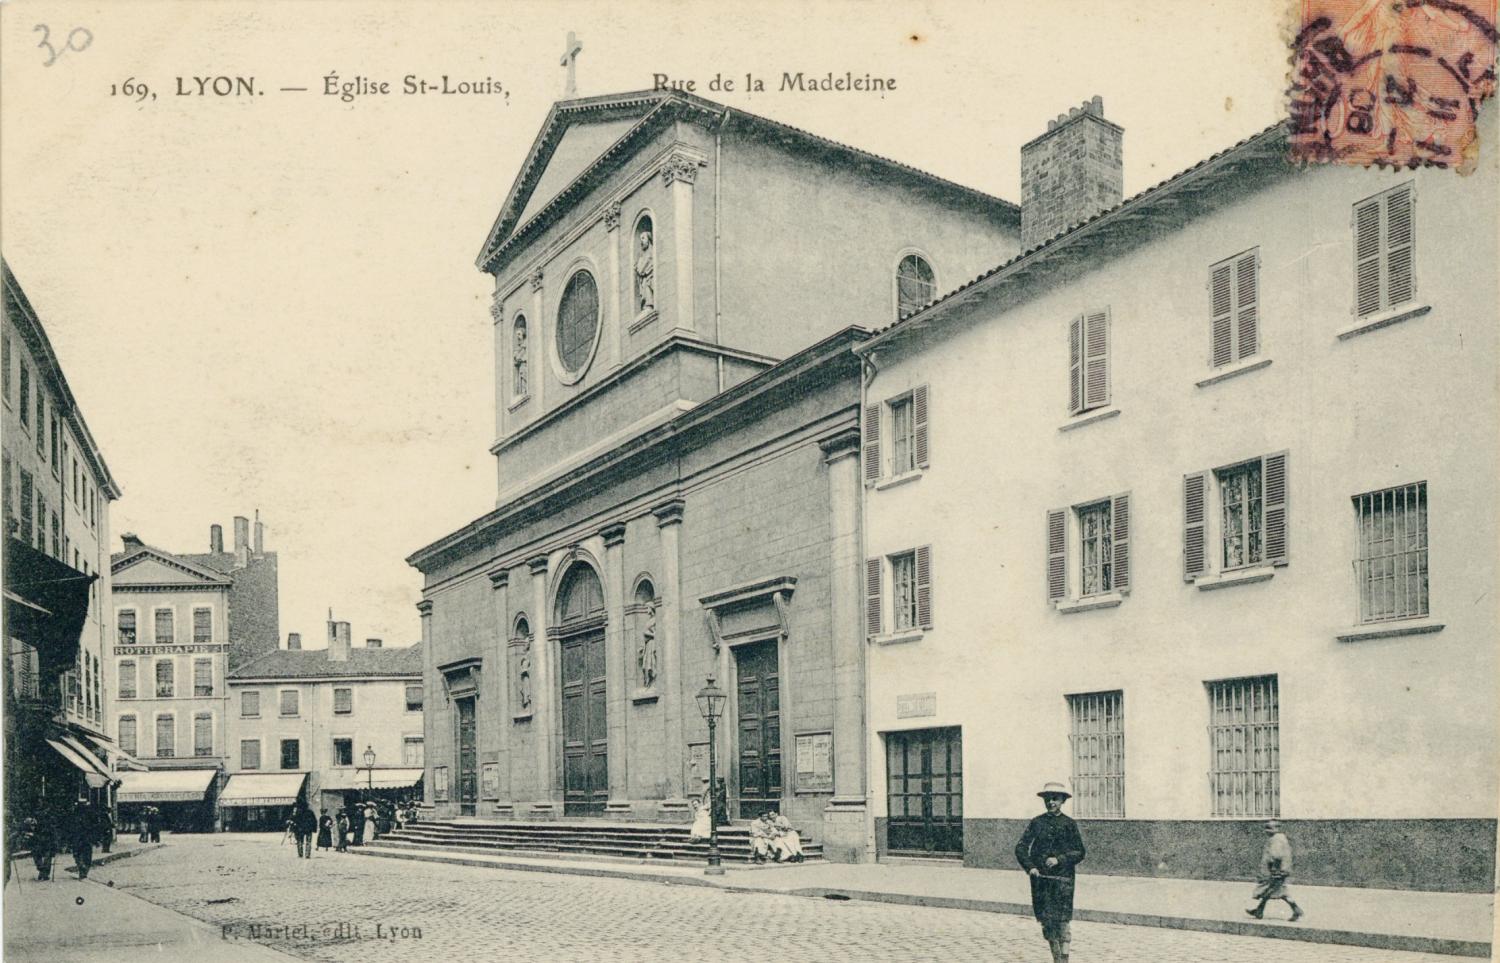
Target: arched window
(577, 322)
(915, 284)
(581, 596)
(518, 359)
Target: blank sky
(271, 303)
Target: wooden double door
(758, 726)
(468, 759)
(585, 730)
(925, 792)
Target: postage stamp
(1391, 82)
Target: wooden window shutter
(872, 596)
(1075, 366)
(1273, 506)
(1096, 360)
(1057, 554)
(872, 444)
(1400, 238)
(1120, 542)
(1367, 257)
(1194, 521)
(919, 424)
(924, 586)
(1222, 313)
(1247, 303)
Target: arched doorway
(585, 735)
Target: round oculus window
(577, 322)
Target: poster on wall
(697, 766)
(489, 781)
(440, 784)
(814, 762)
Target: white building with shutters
(1191, 506)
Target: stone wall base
(845, 837)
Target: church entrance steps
(581, 839)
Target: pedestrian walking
(1049, 850)
(370, 824)
(143, 825)
(341, 827)
(304, 826)
(356, 825)
(153, 823)
(1275, 870)
(106, 828)
(83, 829)
(325, 831)
(41, 840)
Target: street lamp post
(711, 704)
(370, 770)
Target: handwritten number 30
(79, 39)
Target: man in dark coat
(1049, 850)
(304, 825)
(83, 829)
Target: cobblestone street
(352, 908)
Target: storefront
(181, 798)
(260, 801)
(344, 787)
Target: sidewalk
(1459, 924)
(88, 922)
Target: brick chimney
(338, 640)
(294, 641)
(132, 542)
(373, 643)
(1070, 173)
(216, 539)
(260, 536)
(241, 541)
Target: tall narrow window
(28, 506)
(203, 626)
(903, 437)
(164, 627)
(291, 753)
(1240, 499)
(288, 702)
(411, 752)
(203, 734)
(250, 704)
(1234, 298)
(1385, 250)
(6, 364)
(1088, 362)
(166, 736)
(903, 591)
(343, 752)
(127, 679)
(127, 735)
(1245, 747)
(249, 753)
(343, 701)
(203, 677)
(41, 422)
(1392, 565)
(916, 285)
(23, 405)
(1096, 549)
(165, 678)
(413, 698)
(1098, 741)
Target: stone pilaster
(543, 696)
(617, 660)
(679, 171)
(431, 686)
(619, 293)
(674, 691)
(499, 680)
(846, 819)
(538, 330)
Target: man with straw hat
(1048, 851)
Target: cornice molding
(669, 512)
(613, 534)
(537, 565)
(424, 607)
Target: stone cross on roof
(570, 60)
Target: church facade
(678, 289)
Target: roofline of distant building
(233, 679)
(91, 452)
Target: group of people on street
(148, 823)
(76, 832)
(1052, 847)
(356, 824)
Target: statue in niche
(518, 359)
(523, 678)
(645, 654)
(645, 269)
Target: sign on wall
(916, 705)
(489, 781)
(814, 771)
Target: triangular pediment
(578, 147)
(149, 567)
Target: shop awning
(93, 770)
(46, 603)
(262, 789)
(338, 780)
(118, 758)
(165, 785)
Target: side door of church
(758, 691)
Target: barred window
(203, 626)
(165, 679)
(1240, 496)
(1096, 549)
(127, 734)
(1392, 565)
(904, 591)
(203, 734)
(250, 705)
(1245, 747)
(164, 626)
(343, 701)
(166, 736)
(1098, 740)
(203, 677)
(249, 753)
(127, 679)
